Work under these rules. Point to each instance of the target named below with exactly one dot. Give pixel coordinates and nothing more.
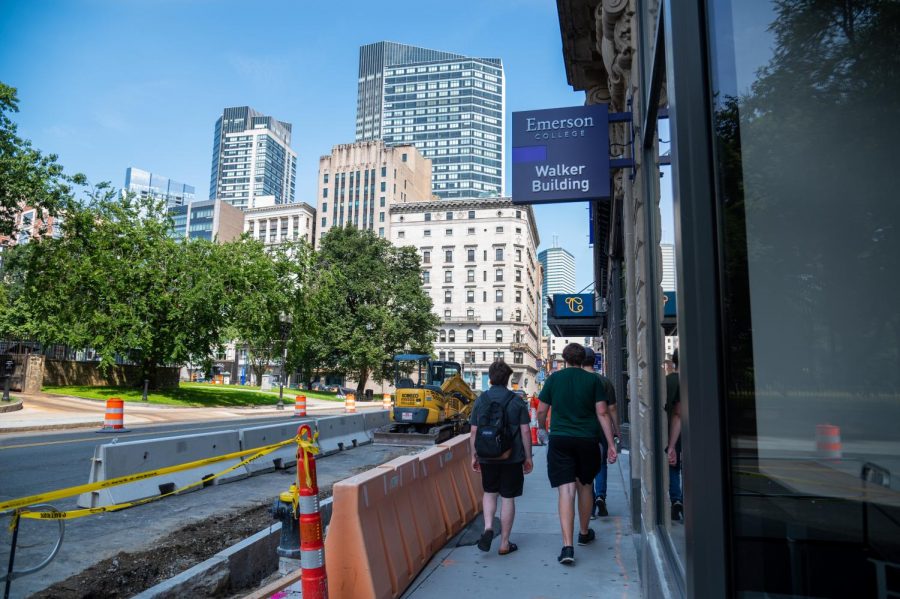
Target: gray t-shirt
(516, 415)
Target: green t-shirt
(573, 394)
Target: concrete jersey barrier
(112, 460)
(337, 433)
(267, 434)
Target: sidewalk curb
(50, 427)
(16, 403)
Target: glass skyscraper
(451, 107)
(559, 277)
(252, 157)
(145, 183)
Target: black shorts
(571, 458)
(506, 479)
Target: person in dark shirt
(505, 478)
(673, 449)
(600, 479)
(580, 420)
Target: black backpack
(492, 439)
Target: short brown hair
(499, 373)
(573, 354)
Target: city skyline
(163, 118)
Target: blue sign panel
(598, 362)
(669, 304)
(560, 155)
(573, 305)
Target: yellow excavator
(430, 408)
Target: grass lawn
(197, 395)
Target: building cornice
(467, 204)
(276, 207)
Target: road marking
(130, 436)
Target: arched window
(470, 335)
(499, 335)
(442, 336)
(451, 335)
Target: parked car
(318, 387)
(343, 391)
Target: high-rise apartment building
(559, 277)
(359, 182)
(668, 266)
(451, 107)
(213, 220)
(479, 266)
(252, 157)
(147, 184)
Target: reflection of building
(359, 182)
(451, 107)
(252, 157)
(147, 184)
(559, 277)
(786, 307)
(480, 269)
(280, 223)
(207, 219)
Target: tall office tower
(252, 158)
(359, 182)
(668, 266)
(559, 277)
(451, 107)
(145, 184)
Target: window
(470, 255)
(499, 314)
(518, 316)
(324, 220)
(451, 356)
(484, 335)
(470, 335)
(427, 233)
(518, 255)
(442, 336)
(470, 296)
(449, 232)
(427, 216)
(448, 276)
(325, 178)
(401, 235)
(324, 206)
(384, 172)
(471, 214)
(383, 186)
(498, 295)
(426, 276)
(518, 275)
(442, 355)
(484, 296)
(446, 314)
(426, 257)
(381, 202)
(381, 231)
(470, 231)
(403, 157)
(470, 276)
(518, 296)
(449, 216)
(498, 254)
(498, 274)
(498, 355)
(470, 314)
(499, 229)
(324, 192)
(451, 336)
(518, 214)
(448, 296)
(518, 357)
(381, 217)
(448, 256)
(484, 356)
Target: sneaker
(677, 511)
(600, 506)
(589, 536)
(567, 555)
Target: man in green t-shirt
(580, 420)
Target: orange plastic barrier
(350, 404)
(388, 522)
(300, 406)
(386, 402)
(467, 488)
(114, 420)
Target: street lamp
(286, 321)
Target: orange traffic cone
(114, 422)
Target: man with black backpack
(501, 451)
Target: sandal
(512, 547)
(484, 543)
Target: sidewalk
(606, 568)
(52, 412)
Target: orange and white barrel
(114, 421)
(300, 406)
(828, 442)
(350, 404)
(386, 402)
(314, 580)
(532, 412)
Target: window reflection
(806, 128)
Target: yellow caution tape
(307, 446)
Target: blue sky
(108, 84)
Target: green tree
(26, 175)
(375, 307)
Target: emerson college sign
(560, 155)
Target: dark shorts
(506, 479)
(571, 458)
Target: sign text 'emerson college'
(560, 155)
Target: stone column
(34, 374)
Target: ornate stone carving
(613, 20)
